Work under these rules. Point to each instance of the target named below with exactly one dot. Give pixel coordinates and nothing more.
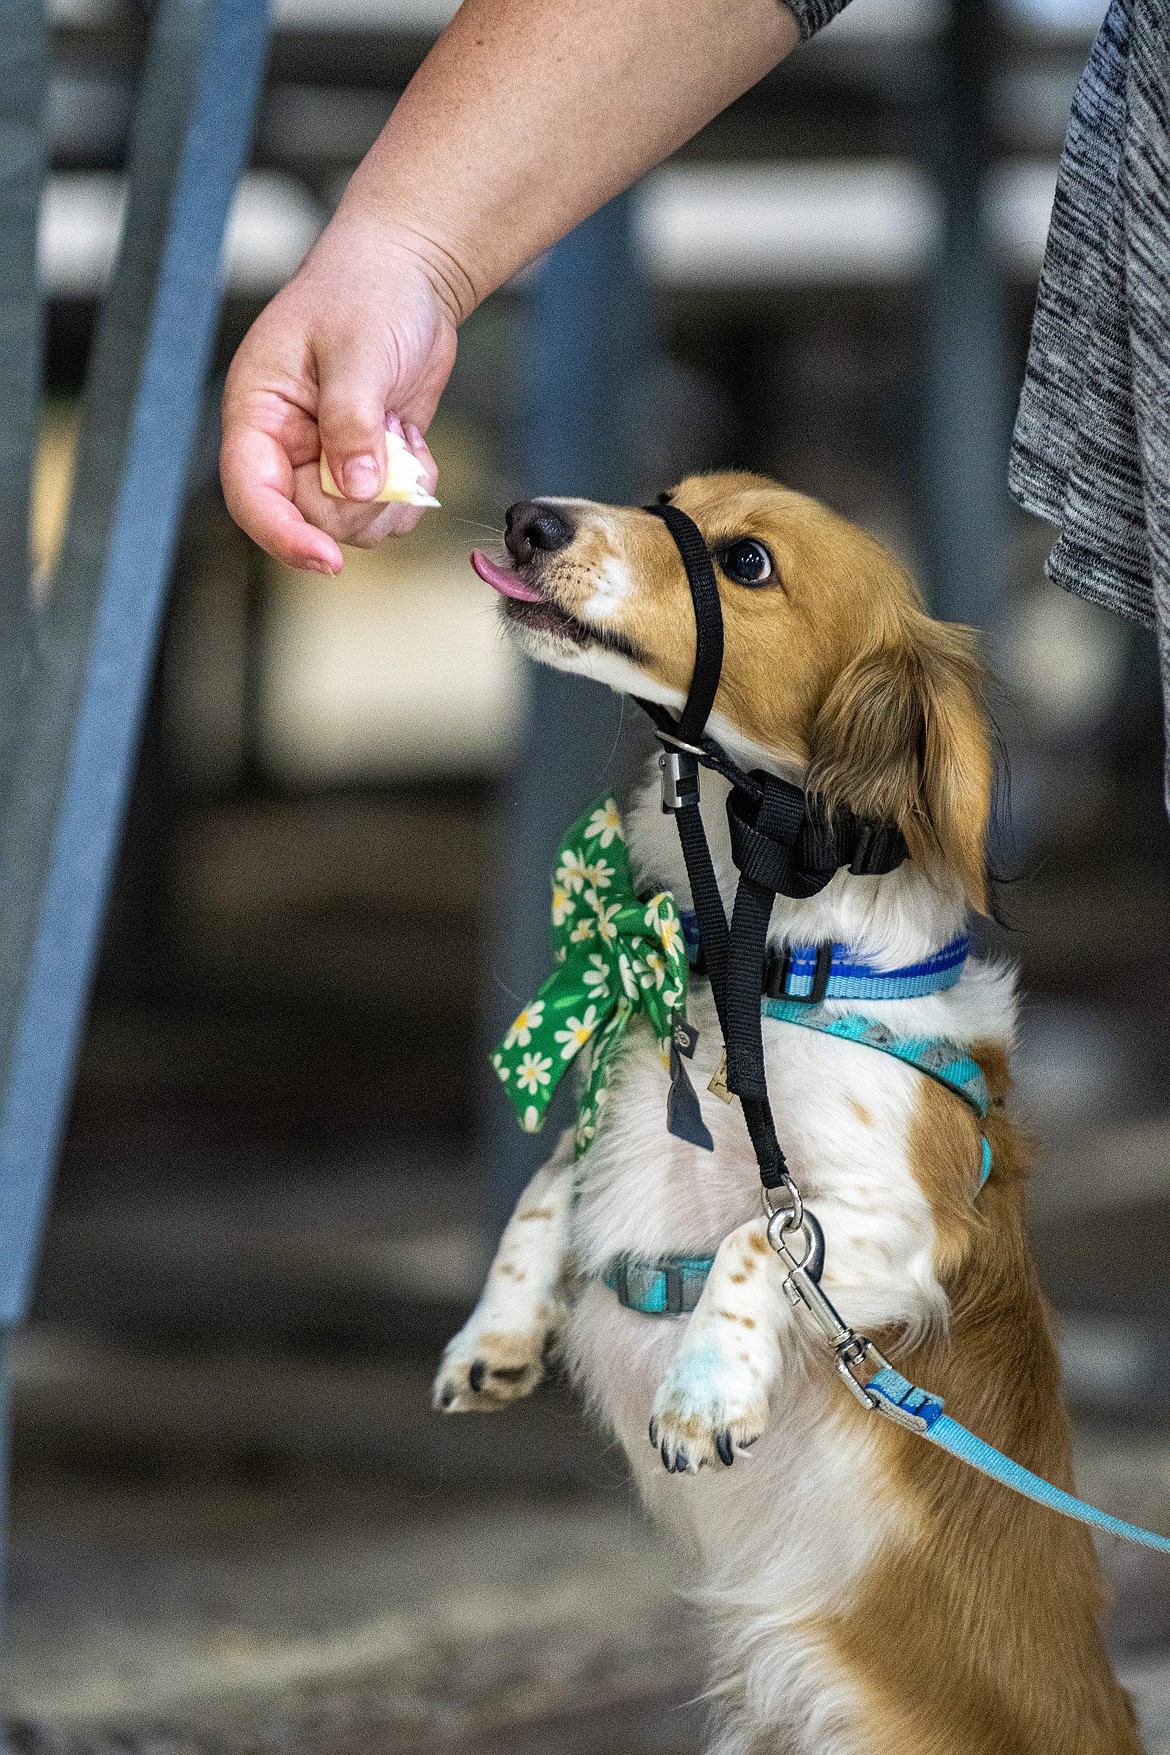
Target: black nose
(529, 526)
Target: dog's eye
(746, 561)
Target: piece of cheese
(404, 472)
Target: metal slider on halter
(679, 763)
(856, 1357)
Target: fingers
(299, 388)
(396, 519)
(271, 482)
(421, 450)
(358, 523)
(351, 416)
(259, 484)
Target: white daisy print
(605, 823)
(584, 929)
(562, 905)
(653, 972)
(599, 874)
(627, 968)
(596, 979)
(520, 1035)
(605, 915)
(577, 1032)
(668, 932)
(572, 873)
(531, 1119)
(533, 1073)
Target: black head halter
(782, 843)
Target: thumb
(351, 419)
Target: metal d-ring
(793, 1213)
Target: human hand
(361, 341)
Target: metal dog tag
(717, 1085)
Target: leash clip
(856, 1358)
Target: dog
(865, 1593)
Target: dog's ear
(902, 737)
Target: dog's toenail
(477, 1374)
(654, 1433)
(725, 1448)
(447, 1397)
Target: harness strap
(670, 1285)
(922, 1412)
(938, 1057)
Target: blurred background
(236, 1524)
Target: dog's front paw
(711, 1406)
(486, 1369)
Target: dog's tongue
(503, 579)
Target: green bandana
(617, 956)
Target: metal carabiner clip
(852, 1352)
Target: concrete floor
(244, 1554)
(239, 1530)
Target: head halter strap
(782, 843)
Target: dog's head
(831, 664)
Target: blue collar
(832, 971)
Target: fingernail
(394, 425)
(360, 477)
(413, 437)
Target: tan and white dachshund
(866, 1593)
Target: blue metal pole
(583, 351)
(24, 50)
(81, 708)
(967, 351)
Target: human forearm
(525, 116)
(528, 114)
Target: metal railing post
(76, 713)
(966, 353)
(582, 350)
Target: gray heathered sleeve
(813, 15)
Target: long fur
(865, 1594)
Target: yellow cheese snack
(403, 484)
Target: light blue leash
(888, 1392)
(923, 1413)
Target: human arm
(525, 117)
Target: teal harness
(671, 1285)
